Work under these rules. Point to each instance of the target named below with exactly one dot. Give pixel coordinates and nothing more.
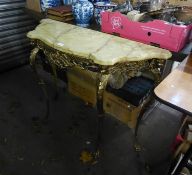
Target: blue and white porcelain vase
(95, 1)
(49, 3)
(101, 7)
(83, 12)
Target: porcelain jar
(83, 12)
(49, 3)
(101, 7)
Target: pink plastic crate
(157, 32)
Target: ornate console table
(66, 46)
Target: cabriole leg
(32, 60)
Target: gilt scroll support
(33, 64)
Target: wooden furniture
(176, 91)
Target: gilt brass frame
(61, 60)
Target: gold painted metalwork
(61, 60)
(33, 57)
(101, 85)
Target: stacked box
(181, 2)
(123, 104)
(82, 84)
(121, 109)
(126, 103)
(34, 5)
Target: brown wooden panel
(176, 88)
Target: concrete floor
(31, 147)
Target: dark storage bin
(134, 91)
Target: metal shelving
(14, 24)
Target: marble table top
(101, 48)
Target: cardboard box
(119, 1)
(34, 5)
(181, 2)
(185, 15)
(157, 32)
(188, 133)
(82, 84)
(121, 109)
(187, 127)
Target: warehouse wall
(14, 24)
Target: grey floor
(30, 147)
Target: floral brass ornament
(62, 60)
